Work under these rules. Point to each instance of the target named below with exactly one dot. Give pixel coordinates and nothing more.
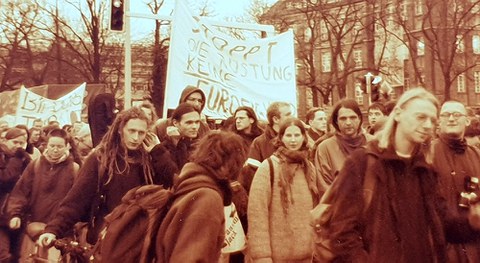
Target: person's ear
(251, 120)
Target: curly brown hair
(111, 148)
(221, 151)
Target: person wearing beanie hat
(13, 160)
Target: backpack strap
(270, 165)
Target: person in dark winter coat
(246, 125)
(262, 147)
(175, 150)
(122, 161)
(101, 113)
(44, 183)
(456, 162)
(405, 220)
(193, 229)
(190, 95)
(13, 160)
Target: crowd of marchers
(400, 185)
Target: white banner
(231, 72)
(32, 106)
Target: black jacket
(11, 167)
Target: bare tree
(23, 52)
(334, 43)
(437, 39)
(82, 44)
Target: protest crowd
(399, 185)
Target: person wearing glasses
(458, 166)
(406, 219)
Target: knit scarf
(53, 160)
(348, 144)
(290, 161)
(458, 145)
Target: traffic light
(117, 15)
(375, 92)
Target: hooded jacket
(100, 115)
(162, 124)
(193, 229)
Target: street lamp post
(368, 81)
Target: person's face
(453, 119)
(196, 100)
(147, 112)
(133, 133)
(319, 121)
(416, 121)
(76, 127)
(16, 143)
(84, 144)
(348, 122)
(38, 124)
(188, 125)
(242, 121)
(285, 112)
(293, 138)
(35, 136)
(374, 115)
(56, 147)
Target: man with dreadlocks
(119, 163)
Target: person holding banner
(190, 95)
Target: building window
(461, 83)
(403, 11)
(326, 62)
(358, 93)
(323, 30)
(418, 7)
(476, 44)
(357, 58)
(476, 81)
(420, 47)
(460, 44)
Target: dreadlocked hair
(111, 149)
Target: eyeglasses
(447, 115)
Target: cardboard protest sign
(231, 72)
(32, 106)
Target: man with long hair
(330, 154)
(119, 163)
(404, 219)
